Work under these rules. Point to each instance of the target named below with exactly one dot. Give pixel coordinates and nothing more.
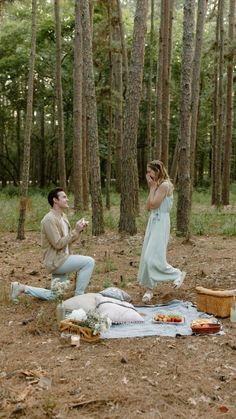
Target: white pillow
(85, 301)
(118, 311)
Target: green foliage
(107, 283)
(15, 33)
(205, 219)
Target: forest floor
(42, 376)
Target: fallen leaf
(223, 409)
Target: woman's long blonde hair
(158, 167)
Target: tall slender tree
(165, 85)
(229, 106)
(215, 111)
(220, 116)
(184, 192)
(28, 126)
(159, 87)
(77, 111)
(129, 182)
(123, 43)
(117, 81)
(110, 111)
(201, 13)
(148, 148)
(59, 95)
(94, 161)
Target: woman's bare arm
(156, 195)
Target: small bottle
(233, 310)
(60, 312)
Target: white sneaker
(147, 296)
(16, 290)
(178, 282)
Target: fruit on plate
(168, 318)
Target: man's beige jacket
(54, 241)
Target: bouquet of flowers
(95, 321)
(59, 288)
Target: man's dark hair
(54, 194)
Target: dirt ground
(42, 376)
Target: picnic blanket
(148, 328)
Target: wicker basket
(215, 301)
(74, 327)
(207, 329)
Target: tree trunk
(229, 107)
(96, 193)
(220, 117)
(59, 95)
(28, 126)
(196, 82)
(215, 109)
(129, 184)
(118, 92)
(184, 192)
(124, 49)
(42, 146)
(110, 113)
(165, 86)
(148, 145)
(159, 87)
(77, 112)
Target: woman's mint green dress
(153, 266)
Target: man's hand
(81, 224)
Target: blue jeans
(83, 265)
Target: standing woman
(153, 266)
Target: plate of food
(205, 326)
(170, 318)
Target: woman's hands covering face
(151, 181)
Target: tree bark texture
(129, 184)
(229, 106)
(165, 86)
(117, 88)
(159, 87)
(201, 13)
(148, 143)
(77, 111)
(59, 95)
(123, 43)
(215, 108)
(85, 159)
(184, 192)
(110, 113)
(220, 116)
(28, 126)
(95, 176)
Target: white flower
(78, 315)
(59, 287)
(94, 320)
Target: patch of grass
(213, 221)
(111, 220)
(107, 283)
(123, 282)
(204, 218)
(4, 293)
(49, 405)
(109, 266)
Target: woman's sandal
(178, 282)
(147, 296)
